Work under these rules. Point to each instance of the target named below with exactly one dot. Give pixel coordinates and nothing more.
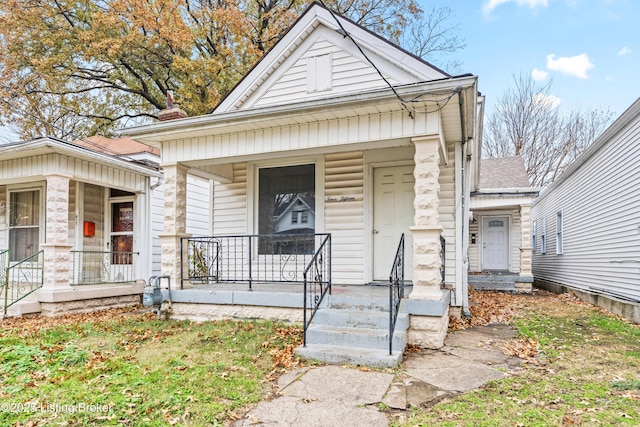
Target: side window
(543, 236)
(559, 233)
(534, 235)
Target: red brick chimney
(173, 111)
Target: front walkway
(333, 395)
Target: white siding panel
(4, 244)
(230, 204)
(601, 218)
(349, 74)
(72, 212)
(93, 210)
(446, 213)
(344, 215)
(157, 227)
(198, 206)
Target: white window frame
(559, 232)
(42, 208)
(534, 235)
(543, 236)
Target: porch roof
(50, 145)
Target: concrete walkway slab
(336, 395)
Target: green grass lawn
(130, 369)
(586, 373)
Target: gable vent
(319, 73)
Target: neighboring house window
(559, 242)
(286, 203)
(543, 236)
(534, 235)
(24, 224)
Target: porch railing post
(250, 265)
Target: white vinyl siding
(446, 213)
(4, 244)
(230, 204)
(347, 74)
(344, 180)
(601, 214)
(72, 212)
(198, 206)
(93, 211)
(157, 228)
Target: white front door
(495, 243)
(392, 215)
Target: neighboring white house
(83, 221)
(500, 225)
(315, 117)
(586, 225)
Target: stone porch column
(175, 221)
(427, 330)
(57, 250)
(526, 251)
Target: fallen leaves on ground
(486, 308)
(524, 348)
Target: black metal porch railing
(98, 267)
(22, 279)
(317, 282)
(248, 258)
(396, 289)
(443, 245)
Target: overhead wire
(404, 103)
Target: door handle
(375, 231)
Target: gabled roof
(318, 32)
(503, 172)
(49, 145)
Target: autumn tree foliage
(82, 67)
(526, 121)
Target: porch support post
(57, 250)
(526, 251)
(428, 331)
(175, 221)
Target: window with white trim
(24, 223)
(534, 235)
(543, 236)
(559, 233)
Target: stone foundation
(523, 288)
(87, 305)
(204, 312)
(428, 331)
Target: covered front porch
(72, 229)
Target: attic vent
(319, 72)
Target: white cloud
(624, 51)
(539, 75)
(490, 5)
(546, 100)
(576, 66)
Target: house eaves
(625, 118)
(374, 101)
(49, 145)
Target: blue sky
(590, 49)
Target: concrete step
(356, 337)
(343, 302)
(350, 355)
(496, 278)
(359, 319)
(23, 307)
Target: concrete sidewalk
(348, 396)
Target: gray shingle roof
(503, 172)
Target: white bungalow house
(500, 227)
(586, 225)
(79, 223)
(381, 143)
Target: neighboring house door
(392, 215)
(495, 243)
(120, 242)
